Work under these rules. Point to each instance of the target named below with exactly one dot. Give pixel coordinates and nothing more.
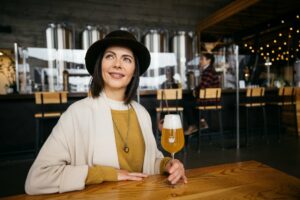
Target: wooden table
(244, 180)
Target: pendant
(126, 149)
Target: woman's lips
(116, 75)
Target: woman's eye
(109, 56)
(128, 60)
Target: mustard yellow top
(131, 161)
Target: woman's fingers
(177, 172)
(134, 176)
(142, 175)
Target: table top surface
(243, 180)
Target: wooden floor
(243, 180)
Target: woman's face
(204, 61)
(118, 65)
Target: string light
(252, 50)
(246, 45)
(282, 21)
(273, 51)
(267, 45)
(284, 43)
(297, 16)
(272, 59)
(297, 50)
(290, 36)
(275, 41)
(279, 48)
(262, 54)
(297, 31)
(261, 48)
(291, 28)
(292, 56)
(250, 47)
(280, 34)
(268, 54)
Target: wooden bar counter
(244, 180)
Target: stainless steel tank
(156, 41)
(182, 46)
(91, 34)
(58, 36)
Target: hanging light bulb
(297, 16)
(277, 58)
(268, 54)
(262, 54)
(273, 59)
(282, 21)
(252, 50)
(267, 45)
(290, 36)
(245, 44)
(292, 56)
(280, 34)
(250, 47)
(284, 43)
(279, 48)
(287, 52)
(297, 31)
(261, 48)
(291, 28)
(273, 51)
(275, 41)
(286, 58)
(297, 50)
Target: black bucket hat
(120, 38)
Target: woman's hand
(124, 175)
(176, 171)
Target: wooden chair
(210, 101)
(255, 99)
(50, 106)
(165, 97)
(286, 99)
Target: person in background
(107, 136)
(170, 82)
(208, 79)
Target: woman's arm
(53, 171)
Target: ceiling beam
(223, 13)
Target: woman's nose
(117, 63)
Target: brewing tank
(182, 45)
(58, 36)
(92, 34)
(156, 41)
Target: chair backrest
(286, 91)
(255, 92)
(255, 97)
(287, 95)
(210, 94)
(51, 97)
(169, 94)
(164, 95)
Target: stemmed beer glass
(172, 139)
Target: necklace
(125, 148)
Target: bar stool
(166, 96)
(254, 100)
(210, 101)
(50, 106)
(286, 99)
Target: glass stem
(172, 154)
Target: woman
(106, 137)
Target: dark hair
(210, 57)
(97, 82)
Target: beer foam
(172, 121)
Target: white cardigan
(84, 137)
